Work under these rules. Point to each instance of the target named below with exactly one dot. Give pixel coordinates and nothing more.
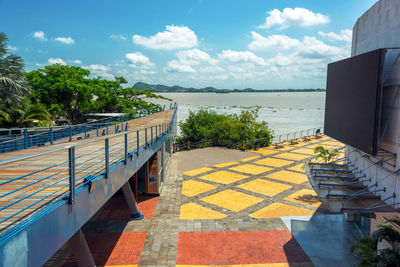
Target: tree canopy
(13, 85)
(208, 125)
(59, 92)
(68, 92)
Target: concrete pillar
(81, 250)
(130, 199)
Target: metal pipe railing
(40, 136)
(62, 179)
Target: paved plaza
(224, 207)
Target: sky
(227, 44)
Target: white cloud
(293, 17)
(174, 37)
(56, 60)
(100, 70)
(311, 47)
(76, 61)
(65, 40)
(308, 47)
(345, 35)
(194, 57)
(187, 59)
(40, 35)
(241, 56)
(138, 58)
(176, 66)
(118, 36)
(12, 48)
(272, 42)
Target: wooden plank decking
(47, 175)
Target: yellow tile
(273, 162)
(197, 171)
(265, 152)
(249, 159)
(191, 188)
(232, 200)
(292, 156)
(226, 164)
(250, 169)
(264, 187)
(299, 168)
(277, 210)
(223, 177)
(306, 197)
(191, 211)
(301, 143)
(333, 143)
(288, 176)
(284, 148)
(306, 151)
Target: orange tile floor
(229, 248)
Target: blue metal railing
(40, 136)
(66, 170)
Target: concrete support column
(81, 250)
(130, 199)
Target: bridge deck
(32, 182)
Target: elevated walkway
(47, 193)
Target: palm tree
(325, 154)
(13, 85)
(30, 115)
(366, 248)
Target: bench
(279, 145)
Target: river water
(284, 111)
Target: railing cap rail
(71, 145)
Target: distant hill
(179, 89)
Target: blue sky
(263, 44)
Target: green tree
(208, 125)
(132, 99)
(28, 115)
(69, 92)
(325, 154)
(13, 85)
(62, 89)
(366, 248)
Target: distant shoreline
(233, 92)
(159, 88)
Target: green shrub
(219, 128)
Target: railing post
(170, 105)
(151, 134)
(202, 143)
(106, 129)
(71, 157)
(188, 145)
(70, 133)
(244, 145)
(126, 148)
(26, 138)
(107, 154)
(84, 130)
(137, 142)
(156, 132)
(126, 127)
(51, 136)
(145, 137)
